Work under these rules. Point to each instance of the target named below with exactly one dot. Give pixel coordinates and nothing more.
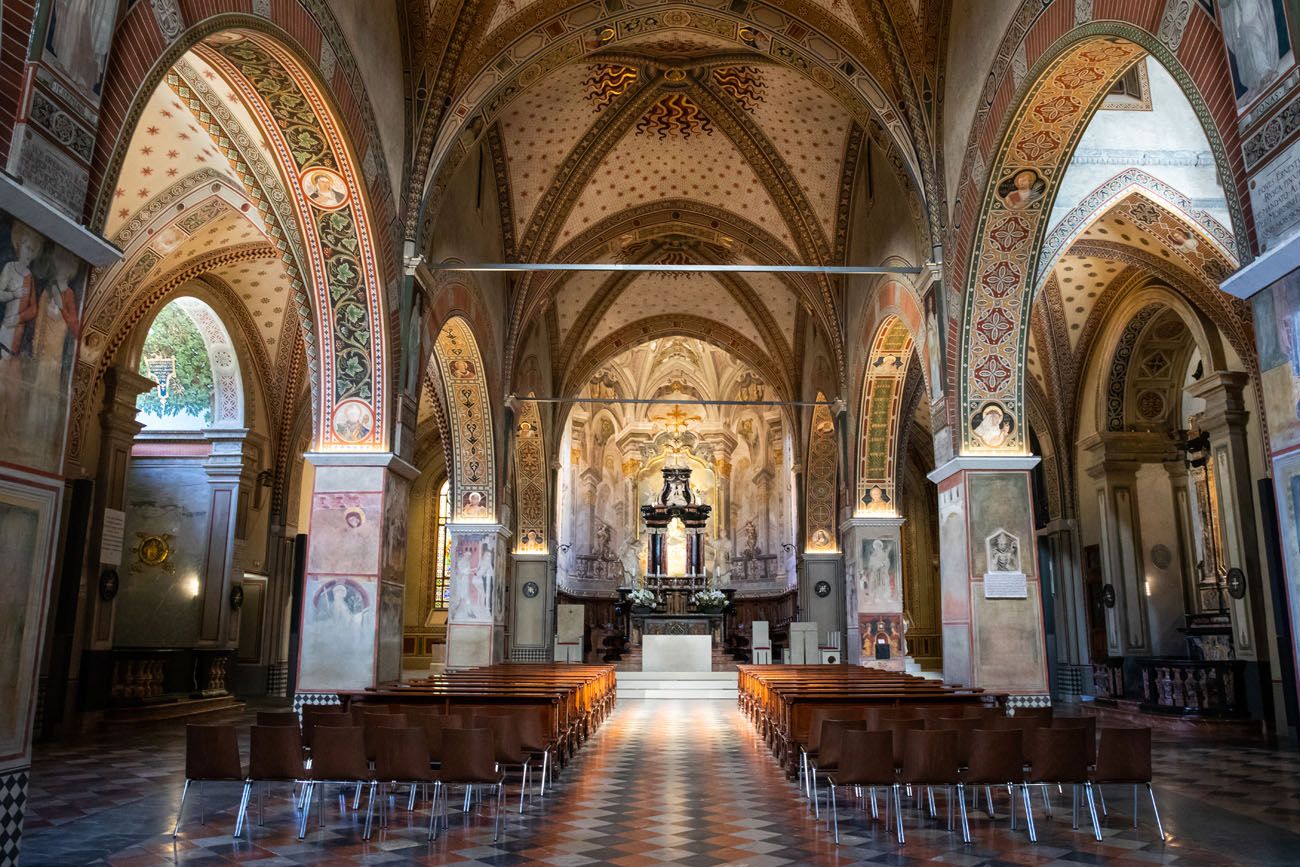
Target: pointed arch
(820, 512)
(472, 449)
(882, 418)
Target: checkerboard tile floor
(662, 782)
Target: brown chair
(996, 758)
(930, 760)
(375, 726)
(1088, 724)
(866, 761)
(1124, 758)
(339, 759)
(1044, 714)
(313, 715)
(277, 718)
(826, 761)
(808, 751)
(508, 751)
(900, 728)
(361, 710)
(274, 756)
(1059, 756)
(533, 739)
(211, 755)
(963, 726)
(469, 759)
(403, 759)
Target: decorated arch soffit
(530, 479)
(823, 469)
(1039, 139)
(882, 414)
(329, 208)
(763, 35)
(471, 446)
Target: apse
(675, 402)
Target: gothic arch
(472, 449)
(821, 514)
(330, 250)
(1067, 85)
(882, 418)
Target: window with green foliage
(176, 358)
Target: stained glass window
(442, 568)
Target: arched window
(188, 354)
(442, 569)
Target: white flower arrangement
(710, 598)
(643, 597)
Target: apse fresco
(41, 291)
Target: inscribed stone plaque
(1005, 585)
(1275, 196)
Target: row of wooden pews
(780, 700)
(570, 701)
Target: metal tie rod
(516, 267)
(668, 401)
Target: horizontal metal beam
(669, 401)
(519, 267)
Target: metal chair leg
(812, 770)
(965, 820)
(1029, 812)
(988, 801)
(433, 811)
(500, 808)
(370, 812)
(1092, 810)
(898, 813)
(1011, 796)
(1156, 810)
(835, 814)
(243, 806)
(180, 809)
(306, 808)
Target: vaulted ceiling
(672, 133)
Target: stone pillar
(821, 591)
(218, 622)
(873, 586)
(532, 612)
(763, 493)
(1224, 419)
(993, 634)
(476, 604)
(1068, 601)
(352, 596)
(1116, 459)
(118, 432)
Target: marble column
(992, 614)
(1224, 419)
(873, 586)
(352, 597)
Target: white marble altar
(677, 653)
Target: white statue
(721, 552)
(630, 557)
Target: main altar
(673, 613)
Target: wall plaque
(1275, 196)
(1005, 585)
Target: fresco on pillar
(41, 289)
(1008, 636)
(338, 632)
(473, 573)
(1277, 337)
(345, 532)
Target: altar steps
(677, 685)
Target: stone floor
(682, 782)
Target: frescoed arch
(328, 195)
(472, 452)
(820, 498)
(1067, 86)
(530, 479)
(881, 419)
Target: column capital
(1225, 403)
(965, 463)
(871, 522)
(383, 460)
